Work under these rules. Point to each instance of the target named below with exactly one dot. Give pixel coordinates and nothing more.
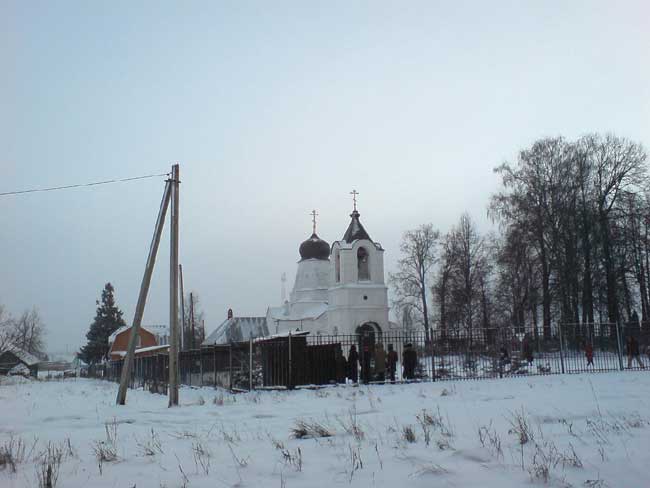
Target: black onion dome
(314, 248)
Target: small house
(119, 341)
(16, 361)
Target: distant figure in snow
(505, 357)
(589, 353)
(366, 356)
(353, 364)
(380, 363)
(527, 350)
(392, 362)
(410, 357)
(633, 352)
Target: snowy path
(598, 421)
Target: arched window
(362, 264)
(337, 265)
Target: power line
(96, 183)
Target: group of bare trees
(454, 269)
(26, 332)
(573, 245)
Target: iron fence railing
(294, 360)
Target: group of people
(526, 353)
(376, 364)
(631, 347)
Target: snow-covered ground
(579, 430)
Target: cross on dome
(313, 219)
(354, 194)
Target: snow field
(573, 430)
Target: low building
(237, 329)
(119, 341)
(16, 361)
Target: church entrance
(367, 334)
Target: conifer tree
(107, 320)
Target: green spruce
(107, 320)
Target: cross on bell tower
(354, 194)
(313, 220)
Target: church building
(337, 290)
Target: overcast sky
(272, 109)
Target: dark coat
(392, 360)
(527, 350)
(410, 362)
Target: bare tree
(441, 288)
(194, 318)
(30, 333)
(7, 330)
(619, 166)
(468, 264)
(411, 281)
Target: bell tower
(358, 295)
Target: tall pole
(173, 290)
(142, 297)
(193, 342)
(183, 333)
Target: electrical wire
(96, 183)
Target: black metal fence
(397, 356)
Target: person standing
(353, 364)
(589, 354)
(410, 361)
(392, 363)
(633, 352)
(504, 360)
(527, 350)
(380, 363)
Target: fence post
(214, 365)
(618, 343)
(250, 363)
(289, 385)
(561, 332)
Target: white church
(337, 290)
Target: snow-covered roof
(293, 333)
(151, 348)
(111, 338)
(24, 356)
(311, 313)
(20, 369)
(237, 329)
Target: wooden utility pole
(192, 320)
(142, 297)
(173, 290)
(183, 333)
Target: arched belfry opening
(363, 266)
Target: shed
(12, 358)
